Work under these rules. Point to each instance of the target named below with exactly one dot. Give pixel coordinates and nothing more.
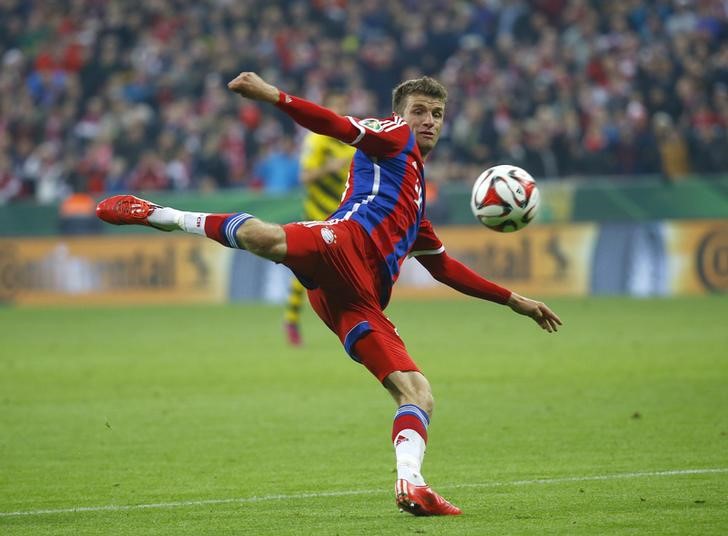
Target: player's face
(424, 115)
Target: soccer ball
(505, 198)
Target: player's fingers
(553, 317)
(542, 321)
(548, 322)
(235, 81)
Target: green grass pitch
(199, 420)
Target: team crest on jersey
(372, 124)
(328, 234)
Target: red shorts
(339, 264)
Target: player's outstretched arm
(383, 142)
(307, 114)
(456, 275)
(539, 311)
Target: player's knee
(422, 398)
(263, 239)
(411, 388)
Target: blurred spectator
(119, 94)
(10, 184)
(277, 172)
(149, 174)
(43, 173)
(708, 149)
(673, 148)
(212, 169)
(540, 158)
(118, 177)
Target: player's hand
(540, 312)
(252, 86)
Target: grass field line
(345, 493)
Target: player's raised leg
(237, 230)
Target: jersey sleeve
(317, 118)
(381, 137)
(375, 137)
(427, 242)
(431, 254)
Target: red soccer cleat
(293, 334)
(126, 210)
(422, 501)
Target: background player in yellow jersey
(324, 169)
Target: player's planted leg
(409, 436)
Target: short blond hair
(418, 86)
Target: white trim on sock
(193, 222)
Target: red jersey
(385, 195)
(385, 192)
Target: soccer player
(349, 262)
(324, 170)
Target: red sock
(410, 417)
(223, 227)
(214, 224)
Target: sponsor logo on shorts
(199, 222)
(400, 439)
(328, 234)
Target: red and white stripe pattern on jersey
(427, 242)
(361, 129)
(384, 125)
(437, 251)
(390, 124)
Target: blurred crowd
(103, 96)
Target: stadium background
(143, 413)
(620, 111)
